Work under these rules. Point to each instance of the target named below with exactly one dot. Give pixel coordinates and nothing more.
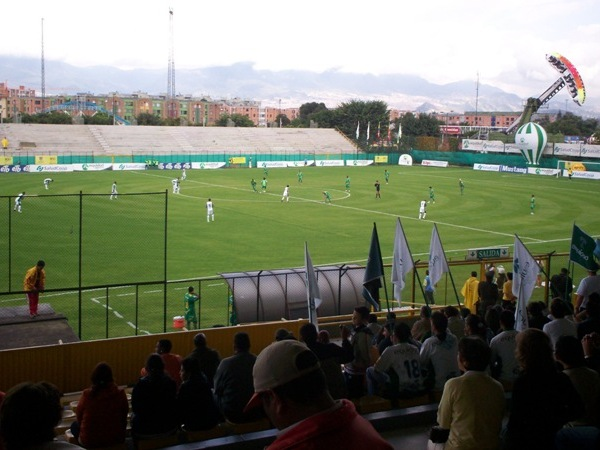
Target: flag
(389, 136)
(378, 131)
(402, 262)
(313, 295)
(373, 272)
(597, 249)
(437, 258)
(357, 130)
(368, 130)
(525, 273)
(399, 132)
(583, 249)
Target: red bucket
(178, 322)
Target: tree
(307, 112)
(421, 125)
(283, 119)
(349, 115)
(238, 120)
(148, 119)
(100, 118)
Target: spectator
(488, 294)
(208, 358)
(373, 325)
(421, 329)
(28, 415)
(282, 334)
(153, 402)
(591, 350)
(196, 408)
(101, 411)
(561, 285)
(508, 298)
(537, 319)
(293, 393)
(233, 381)
(456, 324)
(592, 323)
(569, 352)
(543, 399)
(589, 284)
(359, 343)
(331, 356)
(470, 293)
(172, 361)
(438, 354)
(501, 279)
(429, 288)
(323, 337)
(559, 326)
(492, 319)
(475, 326)
(504, 365)
(397, 372)
(472, 405)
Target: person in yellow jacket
(33, 284)
(469, 292)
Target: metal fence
(148, 307)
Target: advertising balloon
(531, 139)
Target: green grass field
(124, 238)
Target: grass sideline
(257, 231)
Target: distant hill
(293, 87)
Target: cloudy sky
(505, 42)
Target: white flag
(313, 296)
(525, 273)
(399, 132)
(368, 130)
(357, 130)
(437, 259)
(402, 262)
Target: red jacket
(102, 417)
(340, 428)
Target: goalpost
(577, 166)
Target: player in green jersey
(253, 183)
(263, 185)
(431, 195)
(532, 203)
(189, 301)
(347, 183)
(386, 174)
(326, 197)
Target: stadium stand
(118, 140)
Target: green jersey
(189, 301)
(431, 195)
(253, 183)
(263, 184)
(347, 183)
(386, 174)
(327, 196)
(300, 176)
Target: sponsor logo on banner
(359, 162)
(540, 171)
(381, 158)
(50, 168)
(6, 160)
(405, 160)
(129, 166)
(271, 164)
(591, 151)
(301, 163)
(330, 163)
(237, 160)
(567, 149)
(585, 175)
(512, 169)
(208, 165)
(174, 166)
(91, 167)
(433, 163)
(46, 160)
(487, 167)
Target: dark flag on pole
(373, 272)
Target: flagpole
(387, 300)
(421, 286)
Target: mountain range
(291, 87)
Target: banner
(381, 158)
(359, 162)
(402, 262)
(582, 249)
(6, 160)
(46, 160)
(313, 295)
(437, 258)
(525, 273)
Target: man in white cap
(291, 387)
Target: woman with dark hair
(475, 326)
(101, 411)
(153, 402)
(196, 407)
(543, 399)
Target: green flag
(582, 249)
(373, 272)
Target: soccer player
(183, 174)
(461, 185)
(47, 182)
(532, 203)
(266, 171)
(422, 211)
(175, 183)
(18, 201)
(377, 189)
(253, 184)
(386, 174)
(326, 197)
(263, 185)
(286, 193)
(210, 211)
(431, 195)
(300, 176)
(189, 301)
(113, 191)
(347, 183)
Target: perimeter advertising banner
(47, 159)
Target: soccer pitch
(257, 231)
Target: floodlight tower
(171, 111)
(43, 71)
